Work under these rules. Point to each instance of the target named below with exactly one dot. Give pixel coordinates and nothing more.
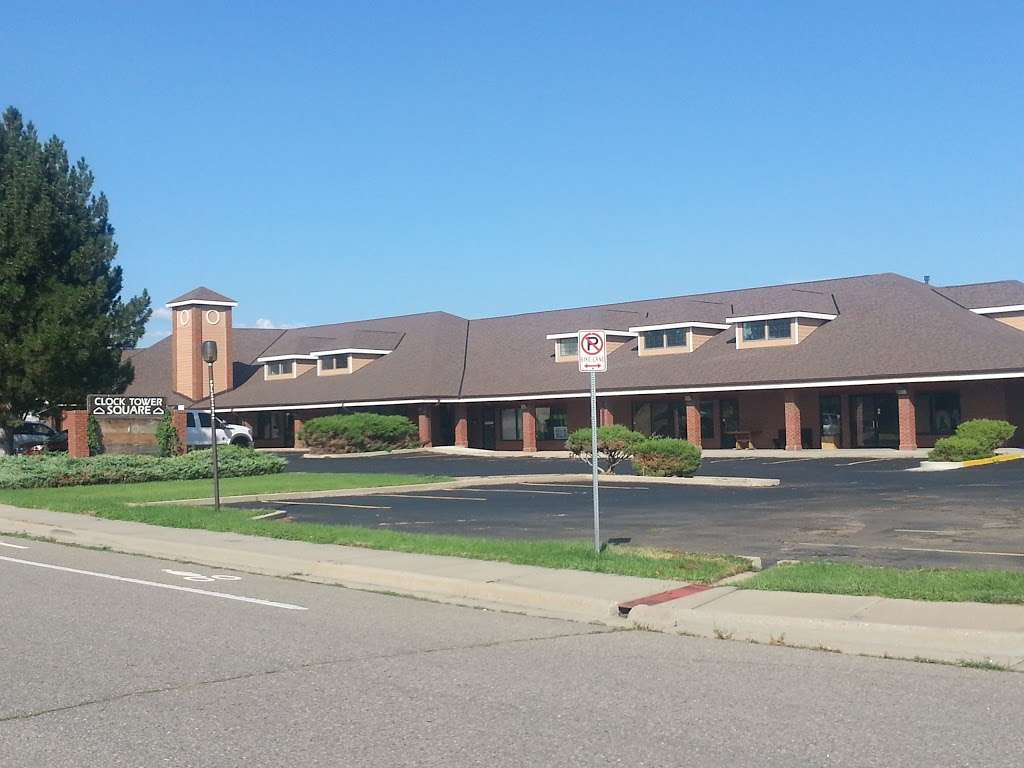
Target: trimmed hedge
(956, 448)
(666, 457)
(991, 433)
(359, 433)
(975, 439)
(615, 444)
(50, 470)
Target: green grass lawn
(112, 502)
(94, 498)
(944, 584)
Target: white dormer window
(281, 368)
(333, 362)
(566, 347)
(665, 338)
(759, 330)
(285, 366)
(777, 329)
(669, 338)
(567, 344)
(343, 361)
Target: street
(845, 510)
(113, 660)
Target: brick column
(693, 421)
(529, 429)
(76, 423)
(461, 426)
(846, 421)
(297, 425)
(426, 434)
(908, 419)
(793, 439)
(605, 417)
(180, 421)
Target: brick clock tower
(200, 315)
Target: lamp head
(209, 351)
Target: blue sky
(324, 162)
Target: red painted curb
(662, 597)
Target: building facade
(873, 361)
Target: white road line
(12, 546)
(436, 498)
(862, 461)
(923, 530)
(144, 583)
(787, 461)
(332, 504)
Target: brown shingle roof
(887, 326)
(1002, 293)
(426, 362)
(200, 294)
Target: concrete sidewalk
(953, 632)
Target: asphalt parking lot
(857, 510)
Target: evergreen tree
(63, 323)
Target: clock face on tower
(183, 317)
(212, 316)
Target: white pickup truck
(200, 432)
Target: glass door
(489, 431)
(729, 416)
(876, 421)
(831, 427)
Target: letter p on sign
(592, 352)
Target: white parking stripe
(863, 461)
(828, 545)
(963, 552)
(787, 461)
(144, 583)
(525, 490)
(604, 487)
(436, 498)
(332, 504)
(925, 530)
(12, 546)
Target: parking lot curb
(477, 482)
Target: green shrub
(167, 436)
(958, 448)
(94, 436)
(666, 457)
(58, 469)
(359, 433)
(615, 444)
(991, 433)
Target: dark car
(36, 436)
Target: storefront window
(937, 413)
(552, 424)
(511, 424)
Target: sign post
(592, 354)
(209, 350)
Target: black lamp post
(210, 357)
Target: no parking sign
(592, 352)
